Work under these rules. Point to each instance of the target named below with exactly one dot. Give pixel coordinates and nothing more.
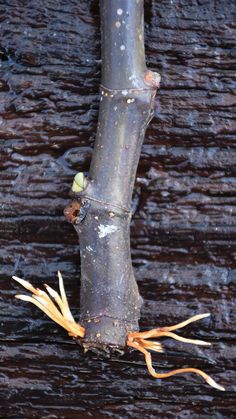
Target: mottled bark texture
(110, 301)
(183, 229)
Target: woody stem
(110, 301)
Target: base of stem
(106, 334)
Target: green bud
(79, 183)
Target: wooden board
(184, 224)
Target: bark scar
(104, 230)
(76, 211)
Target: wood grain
(184, 225)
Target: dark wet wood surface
(184, 225)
